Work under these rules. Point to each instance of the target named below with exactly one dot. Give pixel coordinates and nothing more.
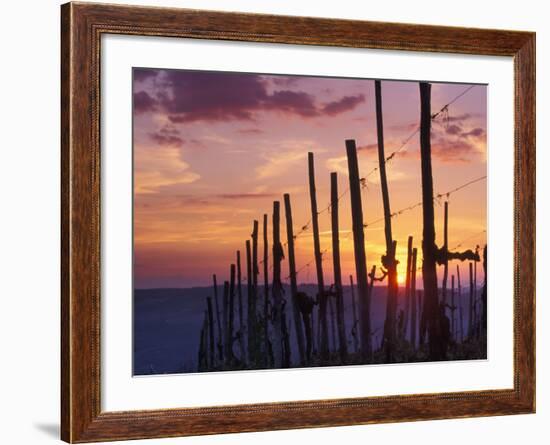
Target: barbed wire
(460, 244)
(436, 198)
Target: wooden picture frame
(82, 26)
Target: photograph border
(82, 25)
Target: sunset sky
(212, 151)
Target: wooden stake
(388, 260)
(201, 355)
(286, 340)
(359, 251)
(453, 310)
(422, 311)
(407, 288)
(206, 329)
(276, 289)
(459, 298)
(250, 305)
(484, 293)
(339, 293)
(231, 321)
(266, 293)
(429, 248)
(318, 261)
(253, 309)
(241, 315)
(293, 282)
(211, 330)
(226, 332)
(255, 270)
(471, 302)
(355, 321)
(445, 251)
(413, 295)
(476, 323)
(218, 320)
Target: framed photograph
(275, 222)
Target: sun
(400, 278)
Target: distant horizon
(260, 286)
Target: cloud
(285, 81)
(292, 102)
(190, 96)
(142, 74)
(284, 156)
(453, 129)
(338, 165)
(346, 103)
(459, 118)
(143, 102)
(167, 135)
(455, 150)
(368, 147)
(475, 133)
(160, 168)
(250, 131)
(246, 195)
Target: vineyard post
(476, 321)
(459, 299)
(359, 250)
(201, 355)
(211, 330)
(471, 302)
(276, 288)
(206, 328)
(407, 288)
(339, 293)
(285, 329)
(251, 324)
(484, 292)
(240, 303)
(388, 261)
(445, 252)
(453, 307)
(372, 275)
(422, 313)
(318, 261)
(254, 299)
(293, 281)
(231, 321)
(429, 248)
(218, 321)
(355, 321)
(266, 293)
(225, 318)
(413, 295)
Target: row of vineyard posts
(261, 338)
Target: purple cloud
(292, 102)
(346, 103)
(189, 96)
(453, 129)
(142, 74)
(143, 103)
(476, 133)
(167, 135)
